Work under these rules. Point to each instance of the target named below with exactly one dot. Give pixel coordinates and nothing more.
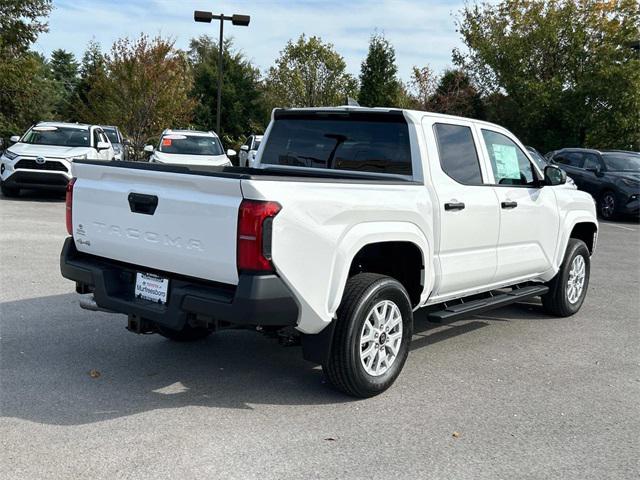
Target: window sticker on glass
(506, 159)
(166, 142)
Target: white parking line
(618, 226)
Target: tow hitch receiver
(139, 325)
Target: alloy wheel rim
(608, 203)
(575, 283)
(380, 338)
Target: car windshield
(190, 145)
(59, 136)
(622, 162)
(112, 134)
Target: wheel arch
(587, 232)
(364, 241)
(577, 224)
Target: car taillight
(254, 235)
(69, 205)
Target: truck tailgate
(191, 231)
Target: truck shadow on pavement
(63, 366)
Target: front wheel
(568, 289)
(372, 336)
(607, 205)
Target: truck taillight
(69, 205)
(254, 235)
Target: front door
(529, 220)
(465, 250)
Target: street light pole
(207, 17)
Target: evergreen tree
(379, 84)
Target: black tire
(607, 205)
(344, 368)
(9, 191)
(187, 334)
(556, 301)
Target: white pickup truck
(352, 219)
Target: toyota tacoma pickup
(351, 220)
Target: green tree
(25, 90)
(144, 89)
(379, 84)
(456, 95)
(21, 21)
(309, 73)
(565, 65)
(243, 109)
(65, 70)
(93, 69)
(422, 87)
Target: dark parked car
(119, 143)
(543, 162)
(612, 177)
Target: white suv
(189, 147)
(43, 157)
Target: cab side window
(457, 151)
(591, 161)
(510, 165)
(571, 159)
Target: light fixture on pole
(207, 17)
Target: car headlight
(10, 155)
(630, 182)
(77, 157)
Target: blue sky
(422, 31)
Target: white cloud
(421, 31)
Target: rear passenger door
(529, 219)
(572, 163)
(465, 250)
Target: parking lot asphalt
(512, 394)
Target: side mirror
(103, 146)
(554, 175)
(244, 148)
(14, 139)
(231, 153)
(148, 148)
(595, 170)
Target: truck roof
(416, 115)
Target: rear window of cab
(353, 141)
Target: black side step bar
(464, 309)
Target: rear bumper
(256, 300)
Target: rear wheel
(372, 335)
(568, 288)
(9, 191)
(187, 334)
(607, 205)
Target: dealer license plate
(151, 287)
